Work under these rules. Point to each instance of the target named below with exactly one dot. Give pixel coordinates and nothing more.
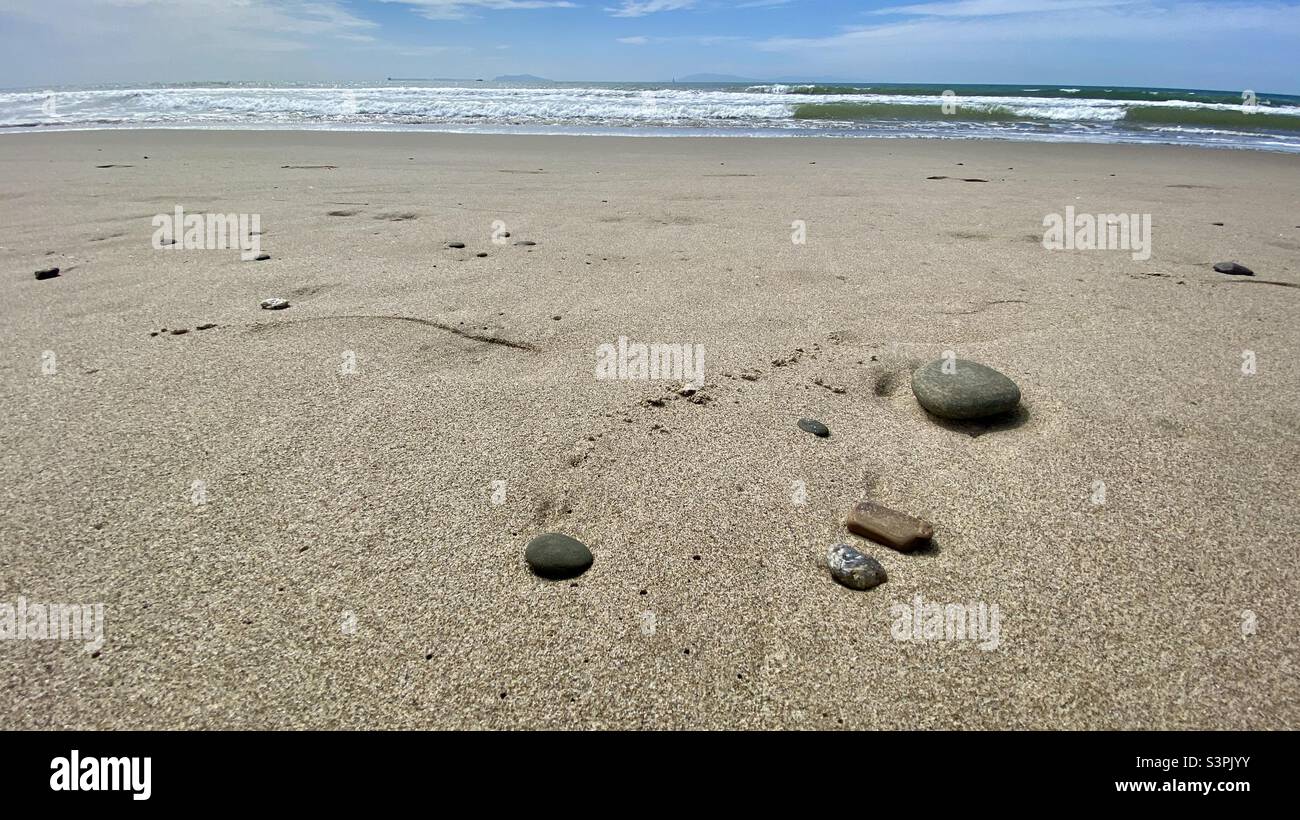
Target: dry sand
(365, 499)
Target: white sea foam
(568, 108)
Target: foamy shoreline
(1102, 116)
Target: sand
(349, 567)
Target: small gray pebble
(1233, 268)
(555, 555)
(815, 427)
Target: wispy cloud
(252, 25)
(1186, 43)
(461, 9)
(640, 8)
(994, 8)
(947, 25)
(692, 39)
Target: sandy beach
(316, 517)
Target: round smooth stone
(556, 556)
(275, 304)
(815, 427)
(970, 391)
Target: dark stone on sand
(180, 331)
(853, 569)
(1217, 224)
(556, 556)
(961, 389)
(1233, 269)
(481, 254)
(815, 427)
(206, 326)
(262, 257)
(47, 273)
(455, 244)
(525, 242)
(897, 529)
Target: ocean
(1041, 113)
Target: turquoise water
(1044, 112)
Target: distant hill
(714, 78)
(731, 78)
(519, 78)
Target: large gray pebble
(970, 391)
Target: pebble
(275, 304)
(970, 391)
(206, 326)
(47, 273)
(455, 244)
(557, 556)
(262, 257)
(1233, 268)
(180, 331)
(896, 529)
(481, 254)
(853, 569)
(525, 242)
(815, 427)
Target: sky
(1214, 44)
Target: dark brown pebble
(899, 530)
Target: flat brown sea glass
(891, 527)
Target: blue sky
(1225, 44)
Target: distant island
(519, 78)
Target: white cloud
(460, 9)
(692, 39)
(640, 8)
(973, 22)
(259, 25)
(992, 8)
(1140, 42)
